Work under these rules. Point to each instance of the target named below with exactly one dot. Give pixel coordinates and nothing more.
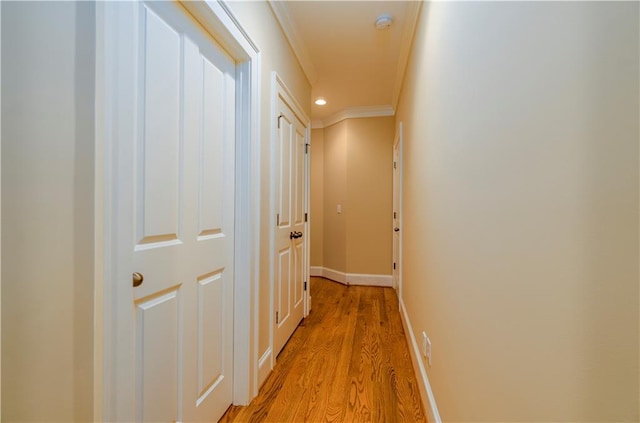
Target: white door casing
(169, 179)
(0, 215)
(397, 211)
(290, 252)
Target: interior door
(396, 213)
(176, 350)
(290, 234)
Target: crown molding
(413, 10)
(356, 112)
(291, 33)
(317, 124)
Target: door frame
(279, 88)
(397, 144)
(217, 18)
(0, 209)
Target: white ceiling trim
(356, 112)
(317, 124)
(291, 33)
(413, 10)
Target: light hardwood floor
(347, 362)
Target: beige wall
(316, 221)
(47, 211)
(335, 192)
(521, 208)
(358, 157)
(369, 195)
(276, 55)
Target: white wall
(47, 211)
(521, 208)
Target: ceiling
(357, 68)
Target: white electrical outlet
(339, 208)
(424, 344)
(426, 347)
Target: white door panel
(290, 260)
(158, 166)
(298, 173)
(298, 272)
(396, 217)
(182, 211)
(157, 335)
(397, 212)
(283, 304)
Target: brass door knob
(137, 279)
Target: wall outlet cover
(426, 347)
(425, 339)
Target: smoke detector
(383, 21)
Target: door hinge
(306, 148)
(277, 317)
(306, 217)
(394, 163)
(394, 215)
(278, 219)
(281, 115)
(394, 265)
(305, 285)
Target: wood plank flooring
(347, 362)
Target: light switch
(339, 208)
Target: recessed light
(320, 101)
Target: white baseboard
(369, 280)
(315, 271)
(334, 275)
(351, 278)
(265, 364)
(428, 400)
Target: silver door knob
(137, 279)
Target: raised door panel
(284, 170)
(298, 271)
(298, 178)
(283, 286)
(212, 327)
(158, 170)
(212, 162)
(158, 341)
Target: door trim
(0, 209)
(279, 88)
(219, 21)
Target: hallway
(347, 362)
